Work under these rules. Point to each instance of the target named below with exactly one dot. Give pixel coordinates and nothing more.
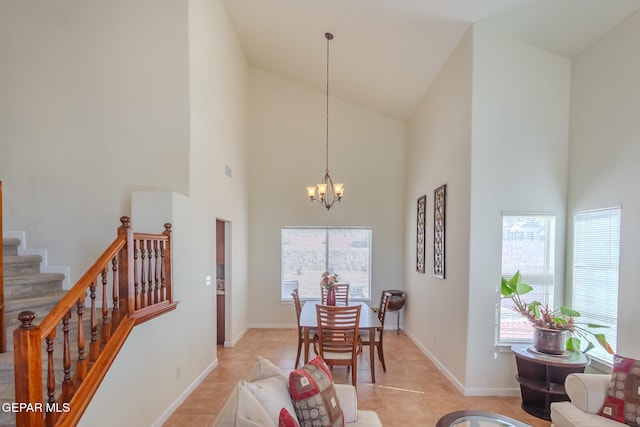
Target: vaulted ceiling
(386, 53)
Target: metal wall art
(420, 233)
(439, 201)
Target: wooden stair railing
(3, 332)
(130, 283)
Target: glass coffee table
(478, 419)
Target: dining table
(368, 321)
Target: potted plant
(551, 327)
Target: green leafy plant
(541, 316)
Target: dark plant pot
(550, 341)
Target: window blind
(596, 263)
(528, 243)
(307, 252)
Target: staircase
(25, 288)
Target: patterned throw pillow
(623, 400)
(286, 419)
(314, 396)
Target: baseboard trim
(183, 396)
(466, 391)
(232, 343)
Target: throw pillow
(623, 400)
(250, 412)
(286, 419)
(273, 394)
(314, 396)
(264, 368)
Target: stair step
(32, 285)
(10, 246)
(26, 289)
(16, 265)
(40, 305)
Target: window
(310, 251)
(528, 245)
(596, 261)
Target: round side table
(396, 302)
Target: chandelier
(326, 192)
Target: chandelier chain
(329, 36)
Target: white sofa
(241, 410)
(587, 393)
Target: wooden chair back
(338, 336)
(342, 294)
(298, 306)
(382, 308)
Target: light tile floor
(413, 392)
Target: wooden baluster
(51, 376)
(150, 272)
(81, 370)
(66, 358)
(105, 333)
(143, 276)
(93, 343)
(115, 312)
(156, 271)
(163, 290)
(135, 274)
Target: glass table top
(485, 421)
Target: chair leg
(354, 371)
(298, 355)
(381, 356)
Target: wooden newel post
(27, 358)
(167, 259)
(125, 279)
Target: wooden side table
(541, 377)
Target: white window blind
(596, 262)
(528, 246)
(307, 252)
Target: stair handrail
(140, 288)
(3, 332)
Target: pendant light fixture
(326, 192)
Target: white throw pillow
(250, 412)
(264, 368)
(273, 395)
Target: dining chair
(298, 306)
(342, 293)
(338, 340)
(377, 339)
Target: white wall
(219, 137)
(438, 152)
(287, 153)
(169, 355)
(519, 163)
(89, 90)
(604, 153)
(102, 101)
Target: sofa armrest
(587, 391)
(348, 401)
